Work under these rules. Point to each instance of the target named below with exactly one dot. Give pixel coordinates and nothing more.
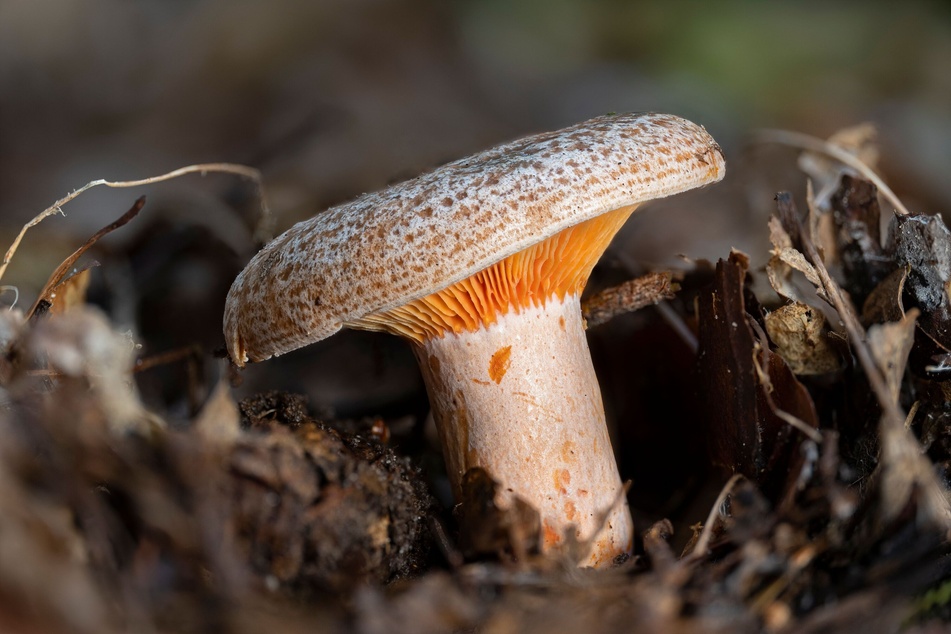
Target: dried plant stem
(16, 294)
(821, 146)
(679, 326)
(703, 542)
(189, 352)
(223, 168)
(59, 276)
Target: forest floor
(816, 440)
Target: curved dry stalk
(16, 295)
(821, 146)
(244, 171)
(703, 542)
(59, 276)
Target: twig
(813, 144)
(192, 356)
(189, 352)
(911, 414)
(702, 546)
(675, 321)
(203, 168)
(453, 557)
(627, 297)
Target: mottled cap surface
(409, 240)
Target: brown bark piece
(627, 297)
(857, 215)
(746, 388)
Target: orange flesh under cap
(558, 266)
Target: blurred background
(332, 98)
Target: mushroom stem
(520, 398)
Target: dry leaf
(219, 420)
(81, 344)
(46, 297)
(890, 344)
(778, 236)
(779, 271)
(906, 472)
(801, 337)
(70, 292)
(904, 469)
(787, 258)
(884, 303)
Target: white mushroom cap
(407, 241)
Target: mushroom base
(520, 399)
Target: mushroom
(480, 265)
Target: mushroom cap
(393, 246)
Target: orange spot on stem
(562, 479)
(570, 511)
(499, 363)
(568, 451)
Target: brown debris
(262, 517)
(749, 391)
(130, 516)
(884, 303)
(627, 297)
(922, 245)
(485, 528)
(859, 245)
(316, 509)
(907, 480)
(801, 337)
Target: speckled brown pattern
(414, 238)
